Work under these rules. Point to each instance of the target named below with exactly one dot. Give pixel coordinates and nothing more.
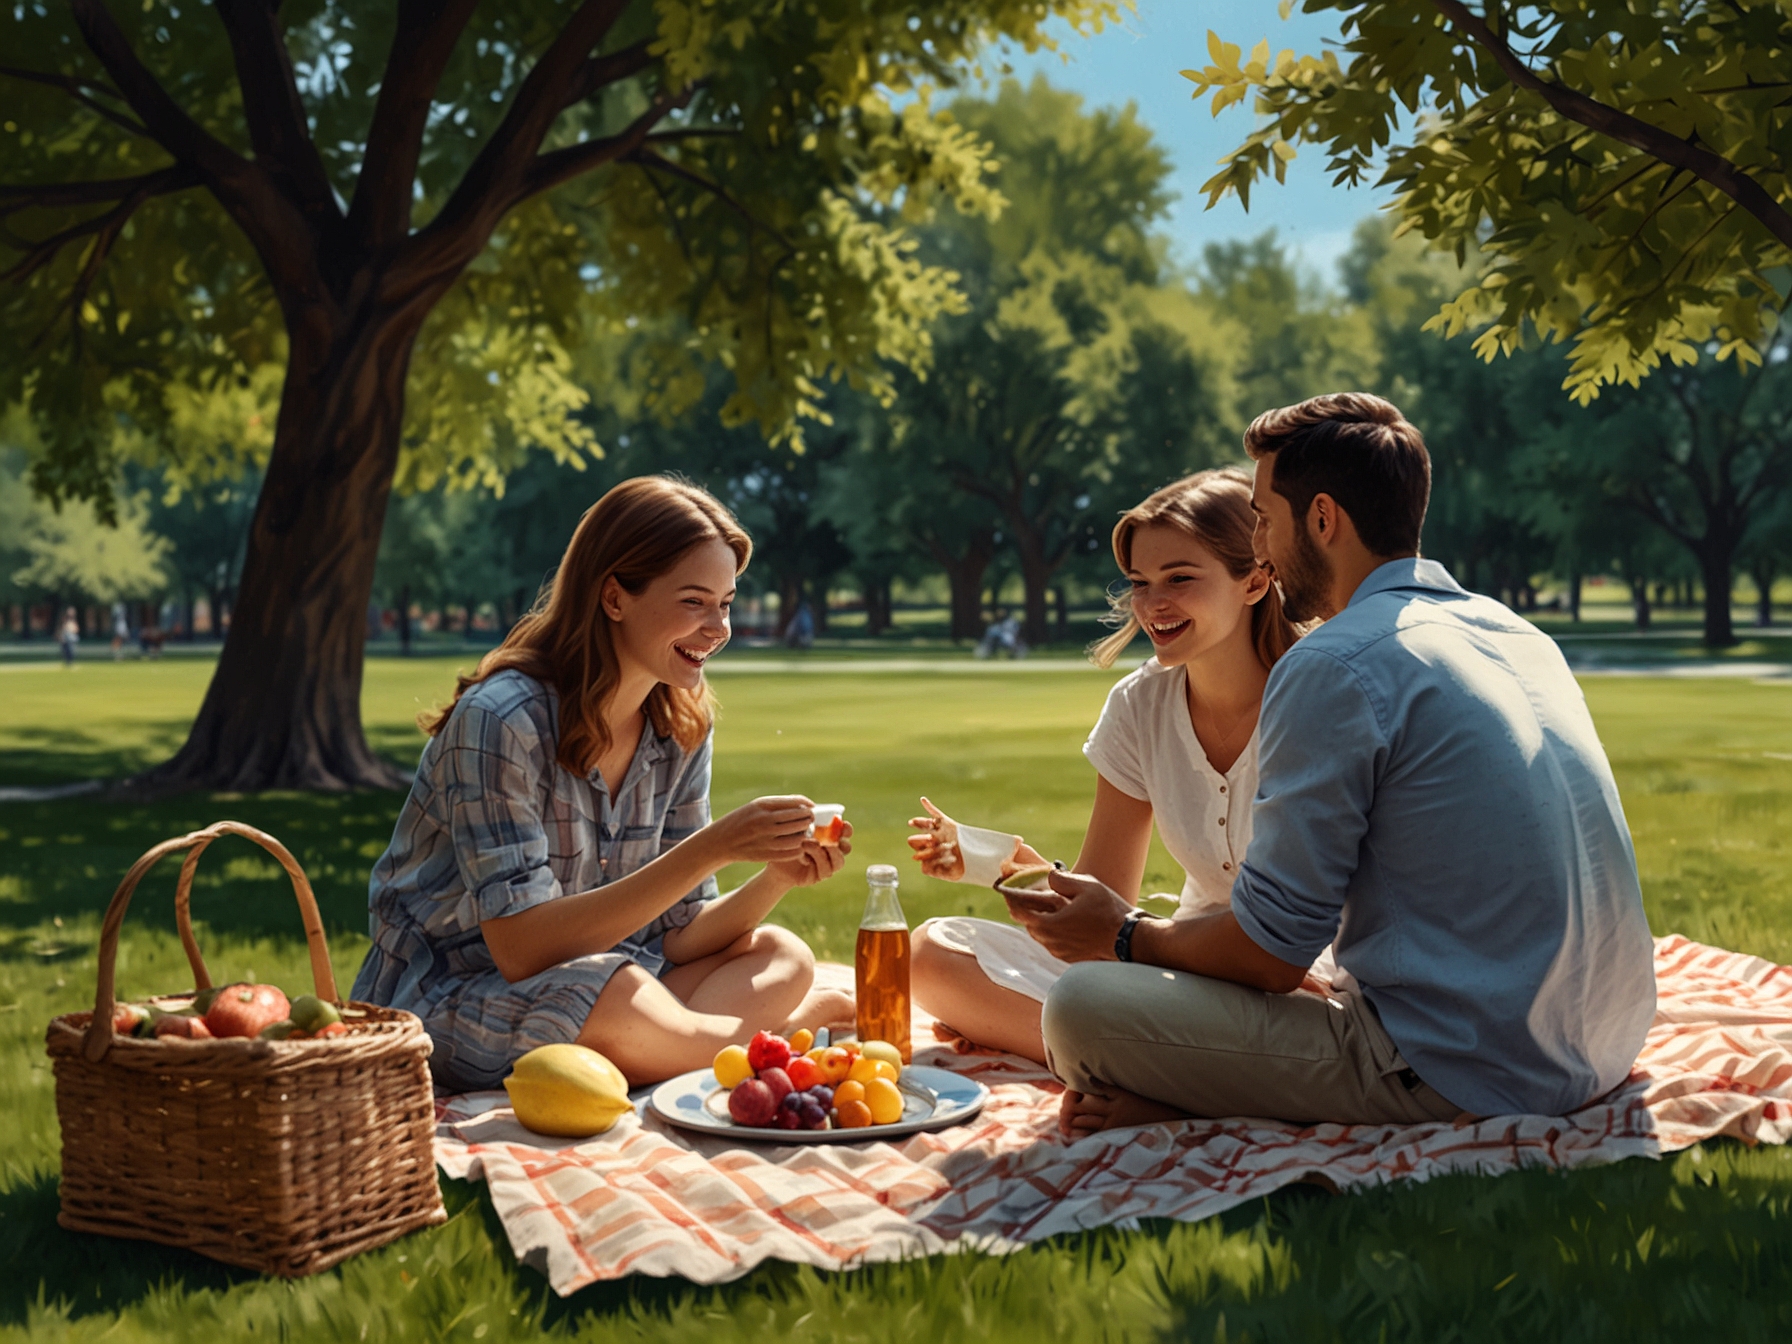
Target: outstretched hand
(936, 847)
(1077, 920)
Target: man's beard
(1306, 581)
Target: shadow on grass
(65, 858)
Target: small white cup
(822, 828)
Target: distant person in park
(1176, 744)
(1003, 636)
(121, 630)
(800, 634)
(69, 636)
(1432, 800)
(552, 874)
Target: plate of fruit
(795, 1091)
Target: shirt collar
(1410, 572)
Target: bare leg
(952, 986)
(653, 1029)
(1081, 1113)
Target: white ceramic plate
(931, 1099)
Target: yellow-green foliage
(1584, 238)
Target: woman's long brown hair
(634, 534)
(1214, 508)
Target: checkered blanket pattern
(647, 1199)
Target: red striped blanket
(644, 1199)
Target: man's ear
(1322, 519)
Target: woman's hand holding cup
(766, 830)
(937, 844)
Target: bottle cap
(883, 874)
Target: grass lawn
(1642, 1250)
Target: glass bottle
(881, 965)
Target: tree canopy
(419, 225)
(1621, 168)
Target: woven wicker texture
(280, 1156)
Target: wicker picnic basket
(281, 1156)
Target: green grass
(1642, 1250)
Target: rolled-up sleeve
(688, 814)
(1321, 750)
(493, 778)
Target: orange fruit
(852, 1115)
(800, 1041)
(863, 1070)
(884, 1100)
(849, 1091)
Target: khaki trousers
(1214, 1048)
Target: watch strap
(1123, 939)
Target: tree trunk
(284, 706)
(877, 607)
(1036, 571)
(1763, 573)
(1717, 566)
(818, 605)
(1574, 594)
(1639, 602)
(1061, 610)
(964, 577)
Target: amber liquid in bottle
(881, 964)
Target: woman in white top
(1176, 743)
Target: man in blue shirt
(1434, 803)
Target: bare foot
(1084, 1113)
(830, 1008)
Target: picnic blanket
(648, 1199)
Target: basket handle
(100, 1033)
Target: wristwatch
(1123, 939)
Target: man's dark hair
(1358, 449)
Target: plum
(752, 1104)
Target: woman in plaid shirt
(552, 874)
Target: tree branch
(62, 195)
(601, 71)
(562, 165)
(161, 116)
(273, 108)
(1626, 129)
(279, 232)
(77, 89)
(423, 41)
(652, 160)
(493, 182)
(130, 193)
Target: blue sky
(1141, 61)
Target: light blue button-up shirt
(1434, 801)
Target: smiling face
(1184, 598)
(678, 621)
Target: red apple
(752, 1104)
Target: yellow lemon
(732, 1067)
(884, 1100)
(863, 1070)
(567, 1091)
(883, 1050)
